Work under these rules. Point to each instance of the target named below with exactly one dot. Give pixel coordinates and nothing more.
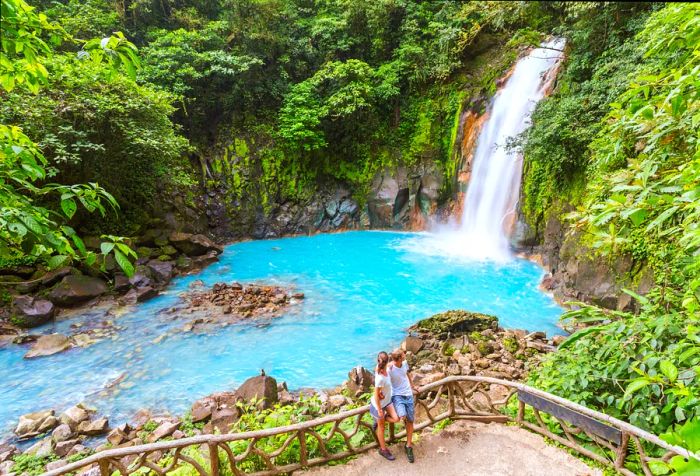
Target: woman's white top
(383, 383)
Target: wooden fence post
(104, 467)
(214, 458)
(303, 455)
(622, 451)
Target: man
(402, 389)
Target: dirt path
(469, 449)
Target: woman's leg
(391, 416)
(380, 433)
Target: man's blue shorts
(404, 406)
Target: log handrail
(456, 404)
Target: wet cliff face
(402, 198)
(575, 272)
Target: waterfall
(490, 203)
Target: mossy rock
(511, 344)
(485, 348)
(477, 336)
(448, 349)
(457, 322)
(144, 252)
(168, 250)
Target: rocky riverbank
(450, 343)
(36, 295)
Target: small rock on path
(468, 449)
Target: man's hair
(397, 354)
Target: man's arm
(410, 380)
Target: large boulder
(261, 388)
(360, 381)
(456, 322)
(76, 289)
(193, 245)
(75, 415)
(42, 448)
(7, 451)
(62, 432)
(202, 409)
(49, 345)
(55, 275)
(29, 311)
(162, 270)
(412, 344)
(36, 423)
(63, 448)
(95, 427)
(166, 428)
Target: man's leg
(409, 432)
(410, 416)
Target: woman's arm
(376, 399)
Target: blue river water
(363, 289)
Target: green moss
(477, 336)
(484, 348)
(448, 349)
(457, 322)
(31, 464)
(511, 344)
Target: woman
(380, 406)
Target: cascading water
(494, 186)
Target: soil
(468, 449)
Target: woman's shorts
(375, 414)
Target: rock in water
(456, 322)
(162, 270)
(49, 345)
(33, 424)
(76, 289)
(28, 311)
(193, 245)
(75, 415)
(261, 387)
(62, 432)
(93, 428)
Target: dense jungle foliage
(630, 161)
(137, 100)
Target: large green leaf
(124, 263)
(579, 335)
(669, 370)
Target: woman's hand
(380, 412)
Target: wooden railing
(274, 451)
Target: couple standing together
(392, 399)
